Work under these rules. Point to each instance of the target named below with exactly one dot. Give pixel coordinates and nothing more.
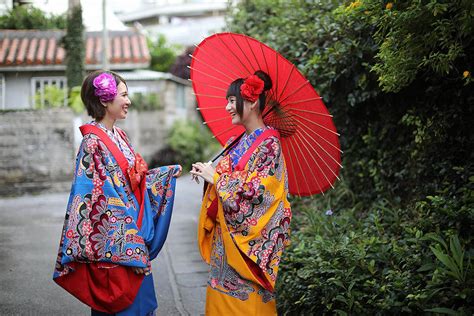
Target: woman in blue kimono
(118, 212)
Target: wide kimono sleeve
(101, 217)
(160, 185)
(254, 212)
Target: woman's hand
(204, 170)
(178, 172)
(145, 271)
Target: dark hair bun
(266, 79)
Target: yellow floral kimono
(244, 227)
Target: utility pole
(105, 38)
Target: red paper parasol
(309, 139)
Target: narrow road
(30, 228)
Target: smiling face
(117, 109)
(231, 108)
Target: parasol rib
(267, 70)
(231, 69)
(212, 67)
(294, 91)
(301, 169)
(322, 138)
(302, 101)
(236, 57)
(325, 128)
(319, 167)
(225, 131)
(300, 136)
(315, 161)
(329, 155)
(254, 56)
(208, 85)
(240, 48)
(206, 74)
(276, 76)
(210, 108)
(293, 166)
(209, 96)
(312, 112)
(216, 120)
(286, 82)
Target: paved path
(30, 228)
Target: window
(49, 91)
(2, 91)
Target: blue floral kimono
(117, 217)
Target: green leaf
(442, 310)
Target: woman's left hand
(178, 172)
(204, 170)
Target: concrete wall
(36, 151)
(38, 147)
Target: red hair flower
(252, 88)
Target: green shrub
(380, 261)
(28, 17)
(146, 102)
(163, 54)
(397, 78)
(52, 97)
(187, 142)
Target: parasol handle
(227, 147)
(236, 140)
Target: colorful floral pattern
(223, 277)
(257, 215)
(101, 218)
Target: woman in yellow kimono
(245, 214)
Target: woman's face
(118, 108)
(231, 108)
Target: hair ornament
(252, 88)
(105, 87)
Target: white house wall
(17, 90)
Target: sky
(92, 11)
(60, 6)
(177, 33)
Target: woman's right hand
(145, 271)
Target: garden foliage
(397, 78)
(74, 44)
(187, 142)
(28, 17)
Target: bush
(163, 55)
(397, 78)
(146, 102)
(187, 142)
(52, 97)
(381, 261)
(27, 17)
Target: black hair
(234, 90)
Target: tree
(74, 45)
(162, 54)
(28, 17)
(180, 66)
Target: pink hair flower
(105, 87)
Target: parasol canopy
(309, 140)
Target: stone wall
(36, 150)
(38, 147)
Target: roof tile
(34, 47)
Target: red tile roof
(34, 49)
